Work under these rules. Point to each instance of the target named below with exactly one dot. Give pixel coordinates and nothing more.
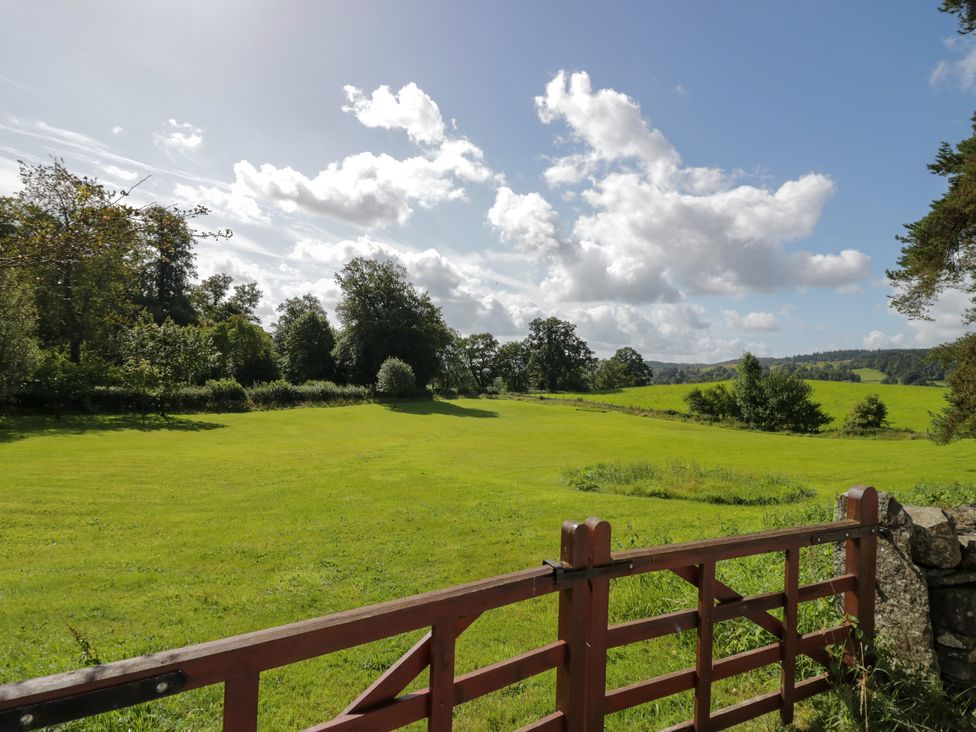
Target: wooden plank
(812, 686)
(215, 661)
(644, 629)
(442, 645)
(241, 703)
(823, 638)
(790, 641)
(744, 711)
(740, 663)
(756, 603)
(688, 726)
(826, 588)
(647, 691)
(574, 611)
(555, 722)
(597, 621)
(485, 680)
(405, 710)
(703, 651)
(862, 506)
(409, 666)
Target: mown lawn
(909, 407)
(136, 539)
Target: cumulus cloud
(527, 219)
(231, 201)
(750, 321)
(877, 339)
(179, 137)
(118, 130)
(370, 190)
(410, 109)
(657, 229)
(122, 174)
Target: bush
(225, 394)
(328, 392)
(274, 394)
(714, 403)
(868, 414)
(395, 378)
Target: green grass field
(871, 376)
(137, 539)
(909, 407)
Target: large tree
(558, 358)
(244, 350)
(512, 365)
(939, 253)
(304, 339)
(215, 302)
(481, 356)
(168, 264)
(383, 316)
(638, 371)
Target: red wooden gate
(582, 579)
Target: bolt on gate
(582, 579)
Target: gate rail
(582, 579)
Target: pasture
(121, 538)
(909, 407)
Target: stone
(902, 595)
(954, 610)
(964, 518)
(950, 641)
(951, 578)
(957, 669)
(967, 548)
(933, 540)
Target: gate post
(862, 555)
(583, 611)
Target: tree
(244, 351)
(307, 348)
(868, 414)
(211, 299)
(383, 316)
(454, 373)
(787, 404)
(747, 388)
(168, 264)
(558, 358)
(640, 373)
(716, 402)
(78, 247)
(395, 378)
(612, 374)
(481, 356)
(18, 344)
(958, 419)
(512, 365)
(291, 310)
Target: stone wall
(926, 587)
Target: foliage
(244, 350)
(274, 394)
(18, 344)
(168, 264)
(225, 394)
(787, 405)
(215, 302)
(383, 316)
(611, 375)
(635, 367)
(328, 392)
(481, 352)
(714, 403)
(958, 418)
(307, 344)
(454, 375)
(944, 495)
(965, 10)
(395, 378)
(143, 380)
(59, 380)
(291, 310)
(559, 359)
(748, 391)
(868, 414)
(512, 365)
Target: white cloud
(946, 323)
(877, 339)
(9, 177)
(960, 70)
(367, 189)
(121, 174)
(118, 130)
(179, 137)
(231, 201)
(525, 218)
(757, 321)
(657, 229)
(411, 109)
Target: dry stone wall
(926, 587)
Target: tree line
(99, 297)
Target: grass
(909, 407)
(120, 538)
(871, 376)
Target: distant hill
(897, 365)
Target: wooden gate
(582, 579)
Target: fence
(582, 579)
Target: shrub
(714, 403)
(274, 394)
(395, 378)
(868, 414)
(224, 394)
(328, 392)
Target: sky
(689, 179)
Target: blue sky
(689, 179)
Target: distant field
(870, 376)
(908, 406)
(138, 540)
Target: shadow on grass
(21, 428)
(437, 406)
